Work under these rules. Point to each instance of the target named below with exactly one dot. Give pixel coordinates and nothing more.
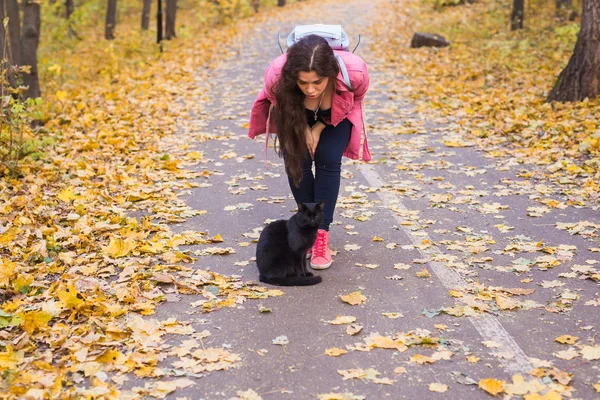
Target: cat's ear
(301, 206)
(320, 205)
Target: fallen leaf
(438, 387)
(340, 320)
(247, 395)
(355, 298)
(519, 386)
(335, 352)
(424, 273)
(353, 329)
(281, 340)
(490, 343)
(340, 396)
(421, 359)
(386, 342)
(492, 386)
(590, 352)
(567, 354)
(567, 339)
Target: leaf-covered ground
(95, 236)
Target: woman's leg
(328, 166)
(305, 193)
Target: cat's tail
(292, 280)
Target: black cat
(282, 246)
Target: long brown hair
(311, 53)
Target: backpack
(334, 34)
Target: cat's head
(310, 214)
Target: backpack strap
(343, 70)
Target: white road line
(487, 325)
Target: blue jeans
(324, 185)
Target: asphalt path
(399, 240)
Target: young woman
(318, 119)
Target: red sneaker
(321, 255)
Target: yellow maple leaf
(386, 342)
(9, 359)
(492, 386)
(21, 282)
(110, 356)
(567, 339)
(68, 297)
(377, 239)
(7, 271)
(34, 320)
(473, 359)
(551, 395)
(119, 247)
(354, 298)
(597, 386)
(67, 195)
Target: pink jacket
(345, 104)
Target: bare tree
(146, 14)
(280, 3)
(581, 77)
(111, 20)
(516, 19)
(31, 40)
(170, 19)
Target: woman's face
(311, 84)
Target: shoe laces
(320, 243)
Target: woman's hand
(312, 137)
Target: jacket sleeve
(259, 116)
(272, 75)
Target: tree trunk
(146, 14)
(14, 32)
(4, 50)
(280, 3)
(581, 78)
(69, 8)
(111, 20)
(2, 33)
(516, 20)
(31, 39)
(159, 24)
(170, 19)
(255, 5)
